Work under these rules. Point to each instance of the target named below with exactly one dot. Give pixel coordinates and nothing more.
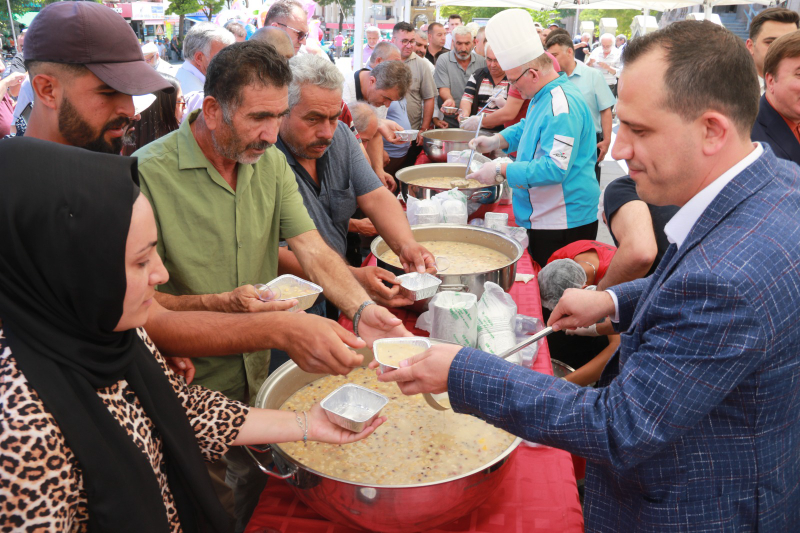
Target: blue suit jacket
(770, 128)
(697, 424)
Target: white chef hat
(513, 37)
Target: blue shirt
(553, 181)
(595, 91)
(398, 112)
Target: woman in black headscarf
(97, 434)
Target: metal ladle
(480, 121)
(441, 402)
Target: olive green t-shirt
(213, 239)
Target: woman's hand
(182, 366)
(323, 430)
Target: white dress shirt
(612, 60)
(194, 101)
(679, 226)
(190, 78)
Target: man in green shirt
(223, 196)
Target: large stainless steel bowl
(397, 508)
(481, 200)
(437, 143)
(472, 283)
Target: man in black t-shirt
(638, 232)
(583, 47)
(436, 37)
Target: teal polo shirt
(594, 89)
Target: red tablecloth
(538, 495)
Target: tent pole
(576, 24)
(11, 19)
(358, 35)
(707, 8)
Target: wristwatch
(498, 175)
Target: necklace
(593, 268)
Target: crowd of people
(143, 202)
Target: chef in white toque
(555, 191)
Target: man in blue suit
(778, 121)
(696, 423)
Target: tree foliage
(186, 7)
(210, 7)
(345, 7)
(20, 7)
(624, 18)
(468, 13)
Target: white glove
(486, 174)
(499, 101)
(484, 144)
(471, 123)
(591, 331)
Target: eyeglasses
(523, 73)
(182, 103)
(301, 35)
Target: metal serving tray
(418, 286)
(288, 281)
(353, 407)
(422, 342)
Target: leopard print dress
(42, 485)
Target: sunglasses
(301, 35)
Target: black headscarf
(64, 219)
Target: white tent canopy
(527, 4)
(654, 5)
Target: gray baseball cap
(90, 34)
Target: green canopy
(27, 18)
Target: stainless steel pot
(437, 143)
(480, 200)
(472, 283)
(398, 508)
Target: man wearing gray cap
(83, 88)
(555, 192)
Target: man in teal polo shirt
(555, 193)
(223, 196)
(593, 86)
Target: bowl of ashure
(289, 287)
(390, 352)
(423, 182)
(474, 256)
(387, 481)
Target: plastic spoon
(441, 402)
